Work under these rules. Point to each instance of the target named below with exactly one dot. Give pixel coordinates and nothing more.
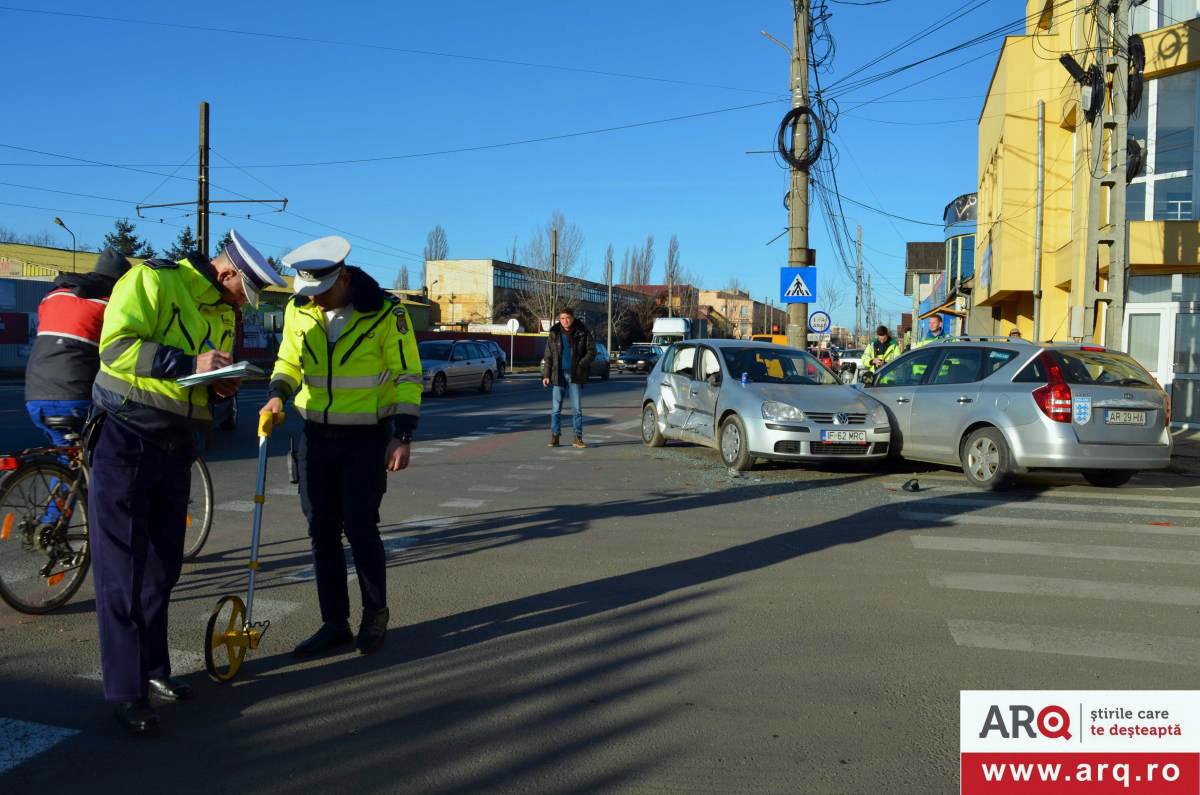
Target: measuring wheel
(228, 639)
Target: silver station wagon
(998, 408)
(754, 400)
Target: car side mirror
(868, 378)
(714, 379)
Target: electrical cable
(786, 137)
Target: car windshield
(641, 350)
(776, 366)
(1102, 368)
(435, 351)
(853, 353)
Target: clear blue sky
(128, 93)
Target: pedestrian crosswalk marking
(540, 467)
(428, 449)
(1040, 505)
(461, 503)
(24, 740)
(1075, 642)
(1017, 499)
(987, 582)
(495, 489)
(264, 610)
(990, 520)
(1055, 550)
(236, 506)
(183, 662)
(521, 477)
(449, 443)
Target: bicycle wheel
(200, 510)
(43, 536)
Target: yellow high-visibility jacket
(889, 352)
(371, 373)
(158, 320)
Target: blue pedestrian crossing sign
(798, 285)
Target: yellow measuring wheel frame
(228, 638)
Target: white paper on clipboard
(235, 370)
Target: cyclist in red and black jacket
(66, 354)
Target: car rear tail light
(8, 463)
(1093, 348)
(1054, 399)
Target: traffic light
(775, 329)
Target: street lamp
(59, 221)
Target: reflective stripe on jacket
(156, 323)
(372, 372)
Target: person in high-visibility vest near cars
(349, 360)
(880, 350)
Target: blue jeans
(38, 411)
(556, 402)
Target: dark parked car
(500, 354)
(639, 358)
(601, 365)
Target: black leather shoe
(171, 689)
(372, 632)
(138, 717)
(329, 636)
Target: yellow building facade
(1161, 326)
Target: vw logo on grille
(1128, 396)
(841, 419)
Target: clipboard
(235, 370)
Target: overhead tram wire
(388, 48)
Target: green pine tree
(225, 241)
(185, 244)
(124, 241)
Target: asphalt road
(622, 619)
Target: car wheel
(651, 435)
(485, 385)
(607, 373)
(439, 385)
(986, 459)
(1107, 478)
(735, 451)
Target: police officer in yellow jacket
(349, 360)
(165, 320)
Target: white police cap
(317, 264)
(252, 266)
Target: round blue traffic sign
(819, 322)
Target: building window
(1154, 14)
(1167, 122)
(745, 311)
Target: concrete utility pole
(1110, 132)
(1037, 233)
(202, 185)
(608, 278)
(797, 323)
(554, 307)
(858, 290)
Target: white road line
(467, 438)
(182, 663)
(428, 449)
(988, 520)
(24, 740)
(627, 425)
(237, 506)
(521, 477)
(1075, 642)
(1019, 498)
(1053, 550)
(309, 574)
(284, 491)
(495, 489)
(598, 436)
(420, 522)
(1039, 505)
(1069, 588)
(461, 502)
(538, 467)
(449, 443)
(264, 610)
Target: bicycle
(44, 556)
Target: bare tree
(401, 282)
(734, 285)
(44, 239)
(637, 264)
(436, 244)
(547, 291)
(829, 296)
(512, 255)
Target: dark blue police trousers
(137, 514)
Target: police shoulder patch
(401, 319)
